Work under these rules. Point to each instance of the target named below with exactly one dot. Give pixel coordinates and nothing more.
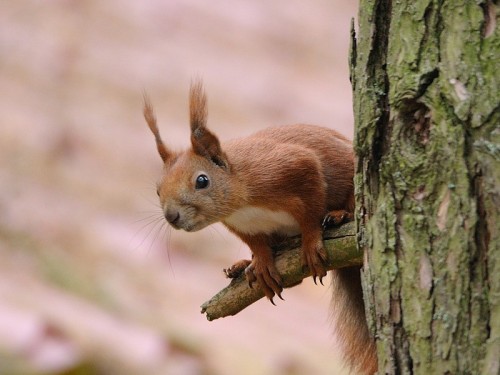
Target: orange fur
(279, 181)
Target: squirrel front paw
(267, 276)
(335, 218)
(236, 269)
(314, 258)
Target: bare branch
(340, 245)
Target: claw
(236, 269)
(267, 277)
(326, 222)
(336, 218)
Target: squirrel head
(195, 188)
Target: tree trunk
(426, 84)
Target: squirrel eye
(202, 182)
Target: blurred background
(91, 280)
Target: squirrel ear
(150, 117)
(203, 141)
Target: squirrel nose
(172, 216)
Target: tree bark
(426, 86)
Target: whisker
(158, 224)
(150, 221)
(158, 232)
(155, 215)
(152, 224)
(168, 235)
(214, 229)
(163, 232)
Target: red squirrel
(280, 181)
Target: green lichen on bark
(426, 105)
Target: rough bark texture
(340, 246)
(426, 84)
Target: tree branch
(340, 245)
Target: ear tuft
(149, 116)
(197, 106)
(203, 141)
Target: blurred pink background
(91, 281)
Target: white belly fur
(255, 220)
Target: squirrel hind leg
(335, 218)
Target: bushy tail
(349, 321)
